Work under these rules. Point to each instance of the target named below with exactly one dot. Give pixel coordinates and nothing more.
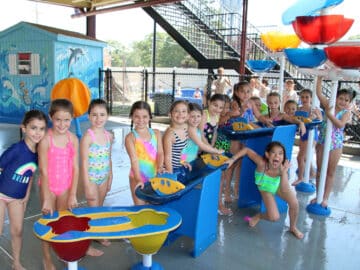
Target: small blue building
(33, 58)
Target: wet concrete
(329, 243)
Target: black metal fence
(121, 88)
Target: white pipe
(309, 146)
(147, 260)
(326, 151)
(72, 265)
(281, 79)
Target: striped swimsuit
(177, 149)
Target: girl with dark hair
(144, 147)
(271, 177)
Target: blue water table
(197, 203)
(70, 232)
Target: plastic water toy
(165, 186)
(306, 8)
(346, 57)
(277, 41)
(261, 65)
(70, 233)
(324, 29)
(214, 161)
(241, 126)
(197, 204)
(306, 57)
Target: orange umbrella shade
(74, 90)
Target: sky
(131, 25)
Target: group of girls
(55, 152)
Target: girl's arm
(203, 146)
(295, 120)
(160, 152)
(130, 149)
(27, 195)
(284, 176)
(323, 100)
(47, 206)
(167, 144)
(235, 109)
(84, 164)
(338, 123)
(110, 177)
(72, 201)
(257, 159)
(262, 118)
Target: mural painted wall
(82, 62)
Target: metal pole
(243, 38)
(281, 79)
(154, 57)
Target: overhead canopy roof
(93, 7)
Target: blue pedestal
(197, 204)
(317, 209)
(154, 266)
(305, 188)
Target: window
(24, 63)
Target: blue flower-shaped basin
(260, 65)
(306, 57)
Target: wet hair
(255, 98)
(217, 97)
(351, 93)
(177, 102)
(195, 107)
(273, 144)
(98, 102)
(140, 105)
(34, 114)
(61, 104)
(227, 99)
(237, 87)
(273, 94)
(306, 91)
(290, 101)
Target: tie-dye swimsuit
(146, 152)
(99, 159)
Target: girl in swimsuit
(271, 177)
(339, 117)
(144, 147)
(59, 166)
(176, 137)
(96, 165)
(17, 166)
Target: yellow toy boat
(165, 186)
(214, 160)
(241, 126)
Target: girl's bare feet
(296, 182)
(105, 242)
(93, 252)
(297, 233)
(223, 211)
(18, 266)
(228, 199)
(313, 201)
(252, 220)
(324, 203)
(48, 265)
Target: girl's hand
(284, 168)
(72, 202)
(302, 128)
(47, 208)
(229, 162)
(139, 184)
(220, 151)
(187, 165)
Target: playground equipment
(78, 93)
(322, 29)
(197, 203)
(70, 232)
(306, 57)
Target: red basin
(321, 29)
(347, 57)
(72, 251)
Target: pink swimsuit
(60, 166)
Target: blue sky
(130, 25)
